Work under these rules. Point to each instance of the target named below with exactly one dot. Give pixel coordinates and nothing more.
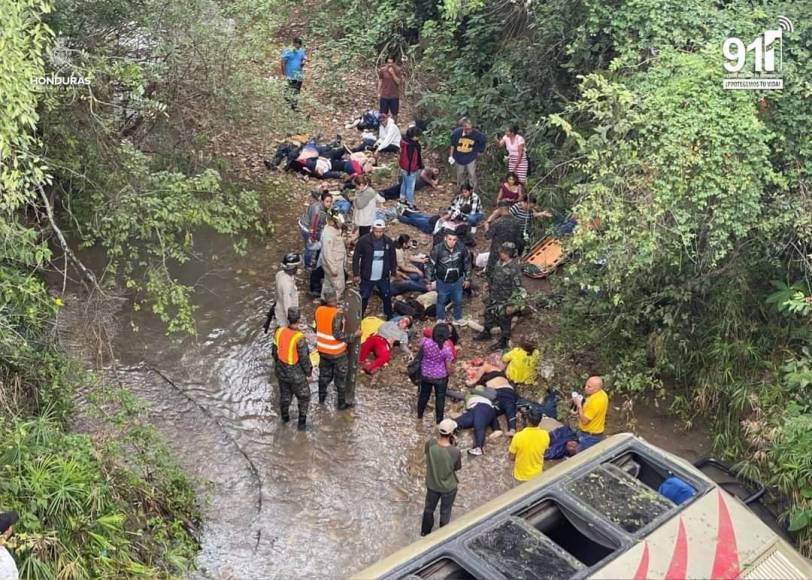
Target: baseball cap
(447, 426)
(378, 224)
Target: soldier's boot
(345, 405)
(302, 425)
(501, 344)
(484, 335)
(285, 417)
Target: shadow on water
(281, 503)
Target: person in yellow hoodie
(521, 364)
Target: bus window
(619, 497)
(641, 468)
(564, 528)
(442, 569)
(519, 551)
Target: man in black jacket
(450, 267)
(373, 263)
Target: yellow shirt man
(521, 365)
(594, 410)
(528, 447)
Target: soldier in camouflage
(292, 367)
(506, 228)
(505, 282)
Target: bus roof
(598, 515)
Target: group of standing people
(378, 263)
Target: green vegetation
(695, 287)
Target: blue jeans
(452, 291)
(587, 440)
(407, 182)
(418, 220)
(383, 290)
(308, 254)
(414, 284)
(473, 219)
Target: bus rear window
(619, 497)
(443, 569)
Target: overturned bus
(599, 515)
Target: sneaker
(475, 451)
(342, 406)
(461, 323)
(495, 434)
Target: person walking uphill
(292, 65)
(443, 461)
(435, 366)
(466, 145)
(287, 296)
(505, 281)
(332, 346)
(373, 264)
(450, 267)
(292, 367)
(389, 82)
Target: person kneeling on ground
(468, 205)
(527, 449)
(591, 415)
(381, 342)
(522, 361)
(443, 461)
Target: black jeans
(507, 398)
(384, 291)
(480, 416)
(439, 386)
(446, 501)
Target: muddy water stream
(285, 504)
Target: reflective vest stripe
(286, 340)
(326, 343)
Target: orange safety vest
(286, 340)
(326, 343)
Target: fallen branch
(87, 275)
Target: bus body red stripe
(642, 568)
(726, 560)
(679, 560)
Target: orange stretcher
(546, 255)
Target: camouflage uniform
(335, 367)
(505, 279)
(505, 229)
(293, 380)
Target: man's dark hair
(514, 129)
(325, 195)
(466, 187)
(533, 418)
(440, 334)
(412, 133)
(402, 240)
(527, 199)
(7, 519)
(297, 42)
